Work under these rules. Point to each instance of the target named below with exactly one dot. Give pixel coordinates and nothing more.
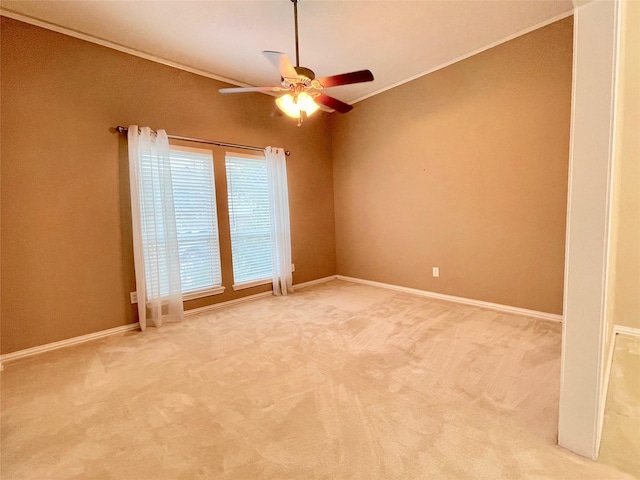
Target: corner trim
(568, 236)
(462, 300)
(583, 369)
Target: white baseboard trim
(134, 326)
(27, 352)
(228, 303)
(113, 331)
(248, 298)
(465, 301)
(624, 330)
(310, 283)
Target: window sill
(203, 293)
(255, 283)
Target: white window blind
(249, 218)
(196, 219)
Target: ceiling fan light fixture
(292, 106)
(298, 80)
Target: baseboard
(465, 301)
(298, 286)
(624, 330)
(215, 306)
(27, 352)
(113, 331)
(310, 283)
(450, 298)
(134, 326)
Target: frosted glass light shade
(291, 108)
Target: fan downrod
(302, 71)
(295, 21)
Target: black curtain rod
(209, 142)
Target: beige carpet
(337, 381)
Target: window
(249, 220)
(194, 199)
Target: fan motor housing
(305, 72)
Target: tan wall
(626, 210)
(464, 169)
(67, 266)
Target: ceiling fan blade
(249, 89)
(334, 103)
(346, 78)
(282, 63)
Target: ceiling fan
(302, 90)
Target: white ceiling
(396, 40)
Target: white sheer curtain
(280, 228)
(155, 241)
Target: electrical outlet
(436, 271)
(293, 267)
(134, 297)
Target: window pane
(196, 218)
(249, 218)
